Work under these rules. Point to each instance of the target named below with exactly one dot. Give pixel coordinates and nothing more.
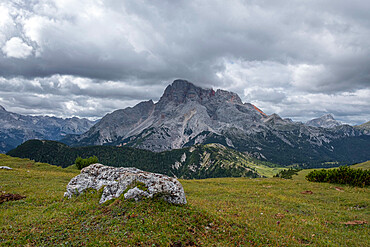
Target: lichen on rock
(131, 182)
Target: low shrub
(341, 175)
(287, 174)
(82, 163)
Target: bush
(342, 175)
(287, 174)
(82, 163)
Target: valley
(200, 161)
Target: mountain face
(187, 115)
(16, 128)
(325, 121)
(178, 119)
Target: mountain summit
(325, 121)
(181, 91)
(187, 115)
(184, 115)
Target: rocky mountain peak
(327, 116)
(275, 119)
(228, 96)
(325, 121)
(145, 104)
(181, 90)
(180, 83)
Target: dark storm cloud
(269, 52)
(69, 85)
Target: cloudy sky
(300, 59)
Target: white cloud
(16, 48)
(308, 77)
(64, 96)
(4, 16)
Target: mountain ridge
(16, 128)
(187, 115)
(180, 102)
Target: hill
(188, 115)
(220, 212)
(364, 165)
(364, 126)
(201, 161)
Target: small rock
(117, 180)
(6, 167)
(309, 192)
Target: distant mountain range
(187, 115)
(16, 128)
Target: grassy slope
(365, 126)
(220, 212)
(265, 170)
(364, 165)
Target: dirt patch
(309, 192)
(279, 216)
(339, 189)
(267, 186)
(354, 222)
(304, 241)
(10, 197)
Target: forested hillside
(201, 161)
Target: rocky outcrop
(131, 182)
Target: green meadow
(220, 212)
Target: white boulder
(134, 183)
